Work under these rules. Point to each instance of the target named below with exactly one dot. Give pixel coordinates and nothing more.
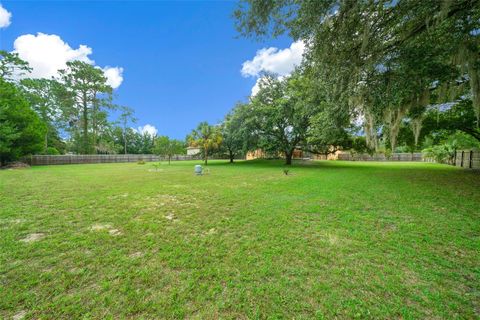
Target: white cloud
(281, 62)
(48, 53)
(256, 87)
(114, 76)
(148, 128)
(5, 17)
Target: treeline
(377, 76)
(70, 113)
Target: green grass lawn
(333, 239)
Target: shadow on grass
(374, 167)
(325, 164)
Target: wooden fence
(463, 158)
(100, 158)
(381, 157)
(467, 159)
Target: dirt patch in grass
(32, 237)
(211, 231)
(167, 201)
(332, 239)
(99, 227)
(108, 227)
(137, 254)
(19, 315)
(114, 232)
(171, 217)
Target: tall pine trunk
(125, 143)
(46, 141)
(85, 124)
(94, 123)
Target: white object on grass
(198, 170)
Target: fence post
(471, 159)
(461, 163)
(455, 157)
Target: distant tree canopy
(377, 65)
(89, 95)
(21, 129)
(169, 147)
(71, 113)
(377, 76)
(12, 66)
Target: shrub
(52, 151)
(156, 165)
(443, 153)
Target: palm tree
(206, 137)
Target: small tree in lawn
(234, 132)
(167, 147)
(206, 137)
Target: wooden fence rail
(36, 160)
(381, 157)
(463, 158)
(467, 159)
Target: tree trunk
(394, 120)
(206, 156)
(125, 143)
(393, 141)
(474, 75)
(46, 141)
(231, 156)
(85, 124)
(169, 157)
(370, 132)
(94, 123)
(85, 131)
(288, 157)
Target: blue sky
(181, 61)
